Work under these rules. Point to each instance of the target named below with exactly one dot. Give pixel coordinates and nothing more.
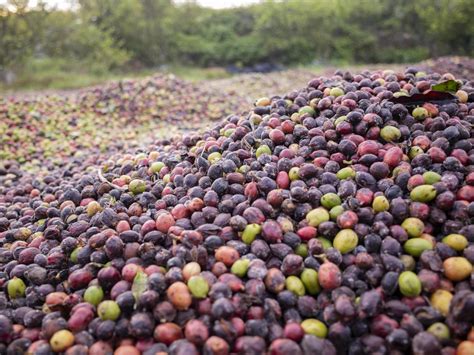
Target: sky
(217, 4)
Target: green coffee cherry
(335, 212)
(339, 120)
(293, 174)
(228, 132)
(240, 267)
(380, 204)
(198, 286)
(336, 92)
(408, 262)
(295, 285)
(108, 310)
(214, 157)
(390, 134)
(22, 234)
(137, 186)
(309, 277)
(456, 241)
(330, 200)
(315, 327)
(345, 241)
(257, 119)
(94, 295)
(244, 169)
(93, 207)
(307, 109)
(317, 216)
(439, 330)
(414, 151)
(441, 301)
(416, 246)
(263, 149)
(409, 284)
(16, 288)
(61, 340)
(156, 167)
(430, 177)
(420, 113)
(73, 256)
(423, 193)
(325, 242)
(345, 173)
(301, 250)
(413, 226)
(250, 233)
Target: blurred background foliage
(99, 37)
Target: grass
(46, 74)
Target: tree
(16, 36)
(139, 27)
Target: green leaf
(139, 284)
(447, 86)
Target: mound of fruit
(252, 85)
(458, 66)
(334, 219)
(49, 129)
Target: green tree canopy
(106, 34)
